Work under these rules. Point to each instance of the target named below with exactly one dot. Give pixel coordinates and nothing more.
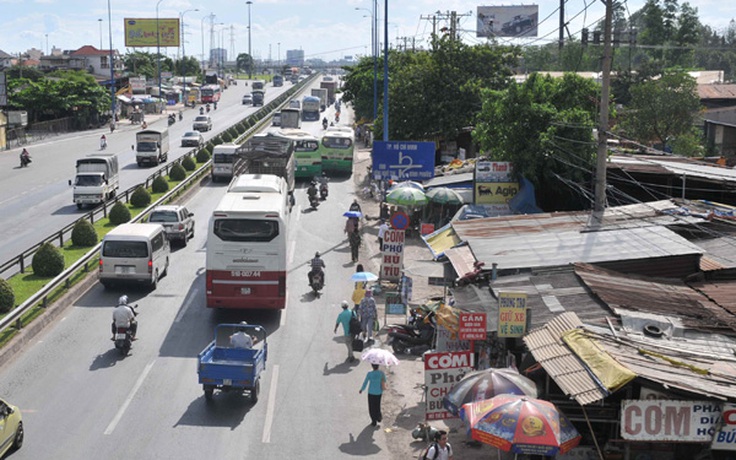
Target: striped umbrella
(407, 196)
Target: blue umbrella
(355, 214)
(363, 277)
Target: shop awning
(124, 99)
(441, 240)
(462, 260)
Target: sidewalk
(403, 404)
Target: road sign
(400, 220)
(403, 160)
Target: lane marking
(129, 399)
(292, 250)
(270, 407)
(187, 304)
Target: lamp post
(184, 55)
(100, 22)
(201, 25)
(278, 56)
(385, 70)
(250, 56)
(158, 50)
(112, 65)
(374, 52)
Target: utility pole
(453, 25)
(562, 25)
(432, 18)
(600, 174)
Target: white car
(202, 123)
(192, 139)
(247, 99)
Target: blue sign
(400, 220)
(403, 160)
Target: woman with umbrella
(375, 380)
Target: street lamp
(374, 52)
(112, 66)
(158, 50)
(278, 56)
(385, 70)
(184, 55)
(100, 21)
(250, 56)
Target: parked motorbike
(412, 339)
(124, 337)
(317, 282)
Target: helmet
(123, 300)
(316, 254)
(344, 304)
(242, 329)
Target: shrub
(188, 164)
(119, 214)
(7, 296)
(140, 198)
(233, 132)
(84, 234)
(160, 185)
(177, 173)
(226, 137)
(203, 155)
(48, 261)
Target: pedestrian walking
(368, 314)
(354, 240)
(381, 232)
(375, 380)
(440, 448)
(344, 319)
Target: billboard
(494, 183)
(403, 160)
(142, 32)
(507, 21)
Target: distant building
(217, 56)
(295, 58)
(6, 60)
(96, 62)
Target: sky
(325, 29)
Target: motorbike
(201, 110)
(25, 160)
(103, 144)
(124, 337)
(317, 281)
(323, 191)
(412, 339)
(324, 124)
(215, 105)
(207, 107)
(313, 202)
(112, 127)
(172, 119)
(181, 117)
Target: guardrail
(13, 318)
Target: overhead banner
(142, 32)
(507, 21)
(663, 420)
(442, 371)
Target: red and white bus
(246, 245)
(210, 93)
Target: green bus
(337, 150)
(307, 151)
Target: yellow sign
(511, 314)
(495, 192)
(142, 32)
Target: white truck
(152, 146)
(97, 179)
(321, 93)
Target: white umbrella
(363, 277)
(379, 356)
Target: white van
(134, 253)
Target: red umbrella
(521, 425)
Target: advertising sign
(472, 326)
(511, 314)
(142, 32)
(449, 341)
(441, 372)
(403, 160)
(494, 183)
(392, 258)
(507, 21)
(725, 437)
(660, 420)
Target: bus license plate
(245, 291)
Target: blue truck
(226, 367)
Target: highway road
(37, 201)
(81, 400)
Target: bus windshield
(246, 230)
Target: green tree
(544, 126)
(244, 62)
(662, 109)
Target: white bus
(246, 245)
(226, 161)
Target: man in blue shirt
(344, 319)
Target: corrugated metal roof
(565, 247)
(462, 260)
(560, 363)
(664, 297)
(449, 179)
(721, 292)
(717, 91)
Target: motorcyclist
(355, 206)
(324, 123)
(207, 107)
(25, 157)
(312, 191)
(144, 125)
(201, 110)
(124, 316)
(181, 117)
(112, 124)
(214, 104)
(103, 142)
(323, 179)
(318, 266)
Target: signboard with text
(441, 372)
(403, 160)
(392, 257)
(511, 314)
(725, 436)
(493, 183)
(472, 326)
(666, 420)
(142, 32)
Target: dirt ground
(403, 404)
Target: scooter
(103, 144)
(181, 117)
(415, 340)
(124, 337)
(323, 190)
(317, 282)
(313, 202)
(172, 119)
(207, 107)
(324, 124)
(201, 110)
(25, 160)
